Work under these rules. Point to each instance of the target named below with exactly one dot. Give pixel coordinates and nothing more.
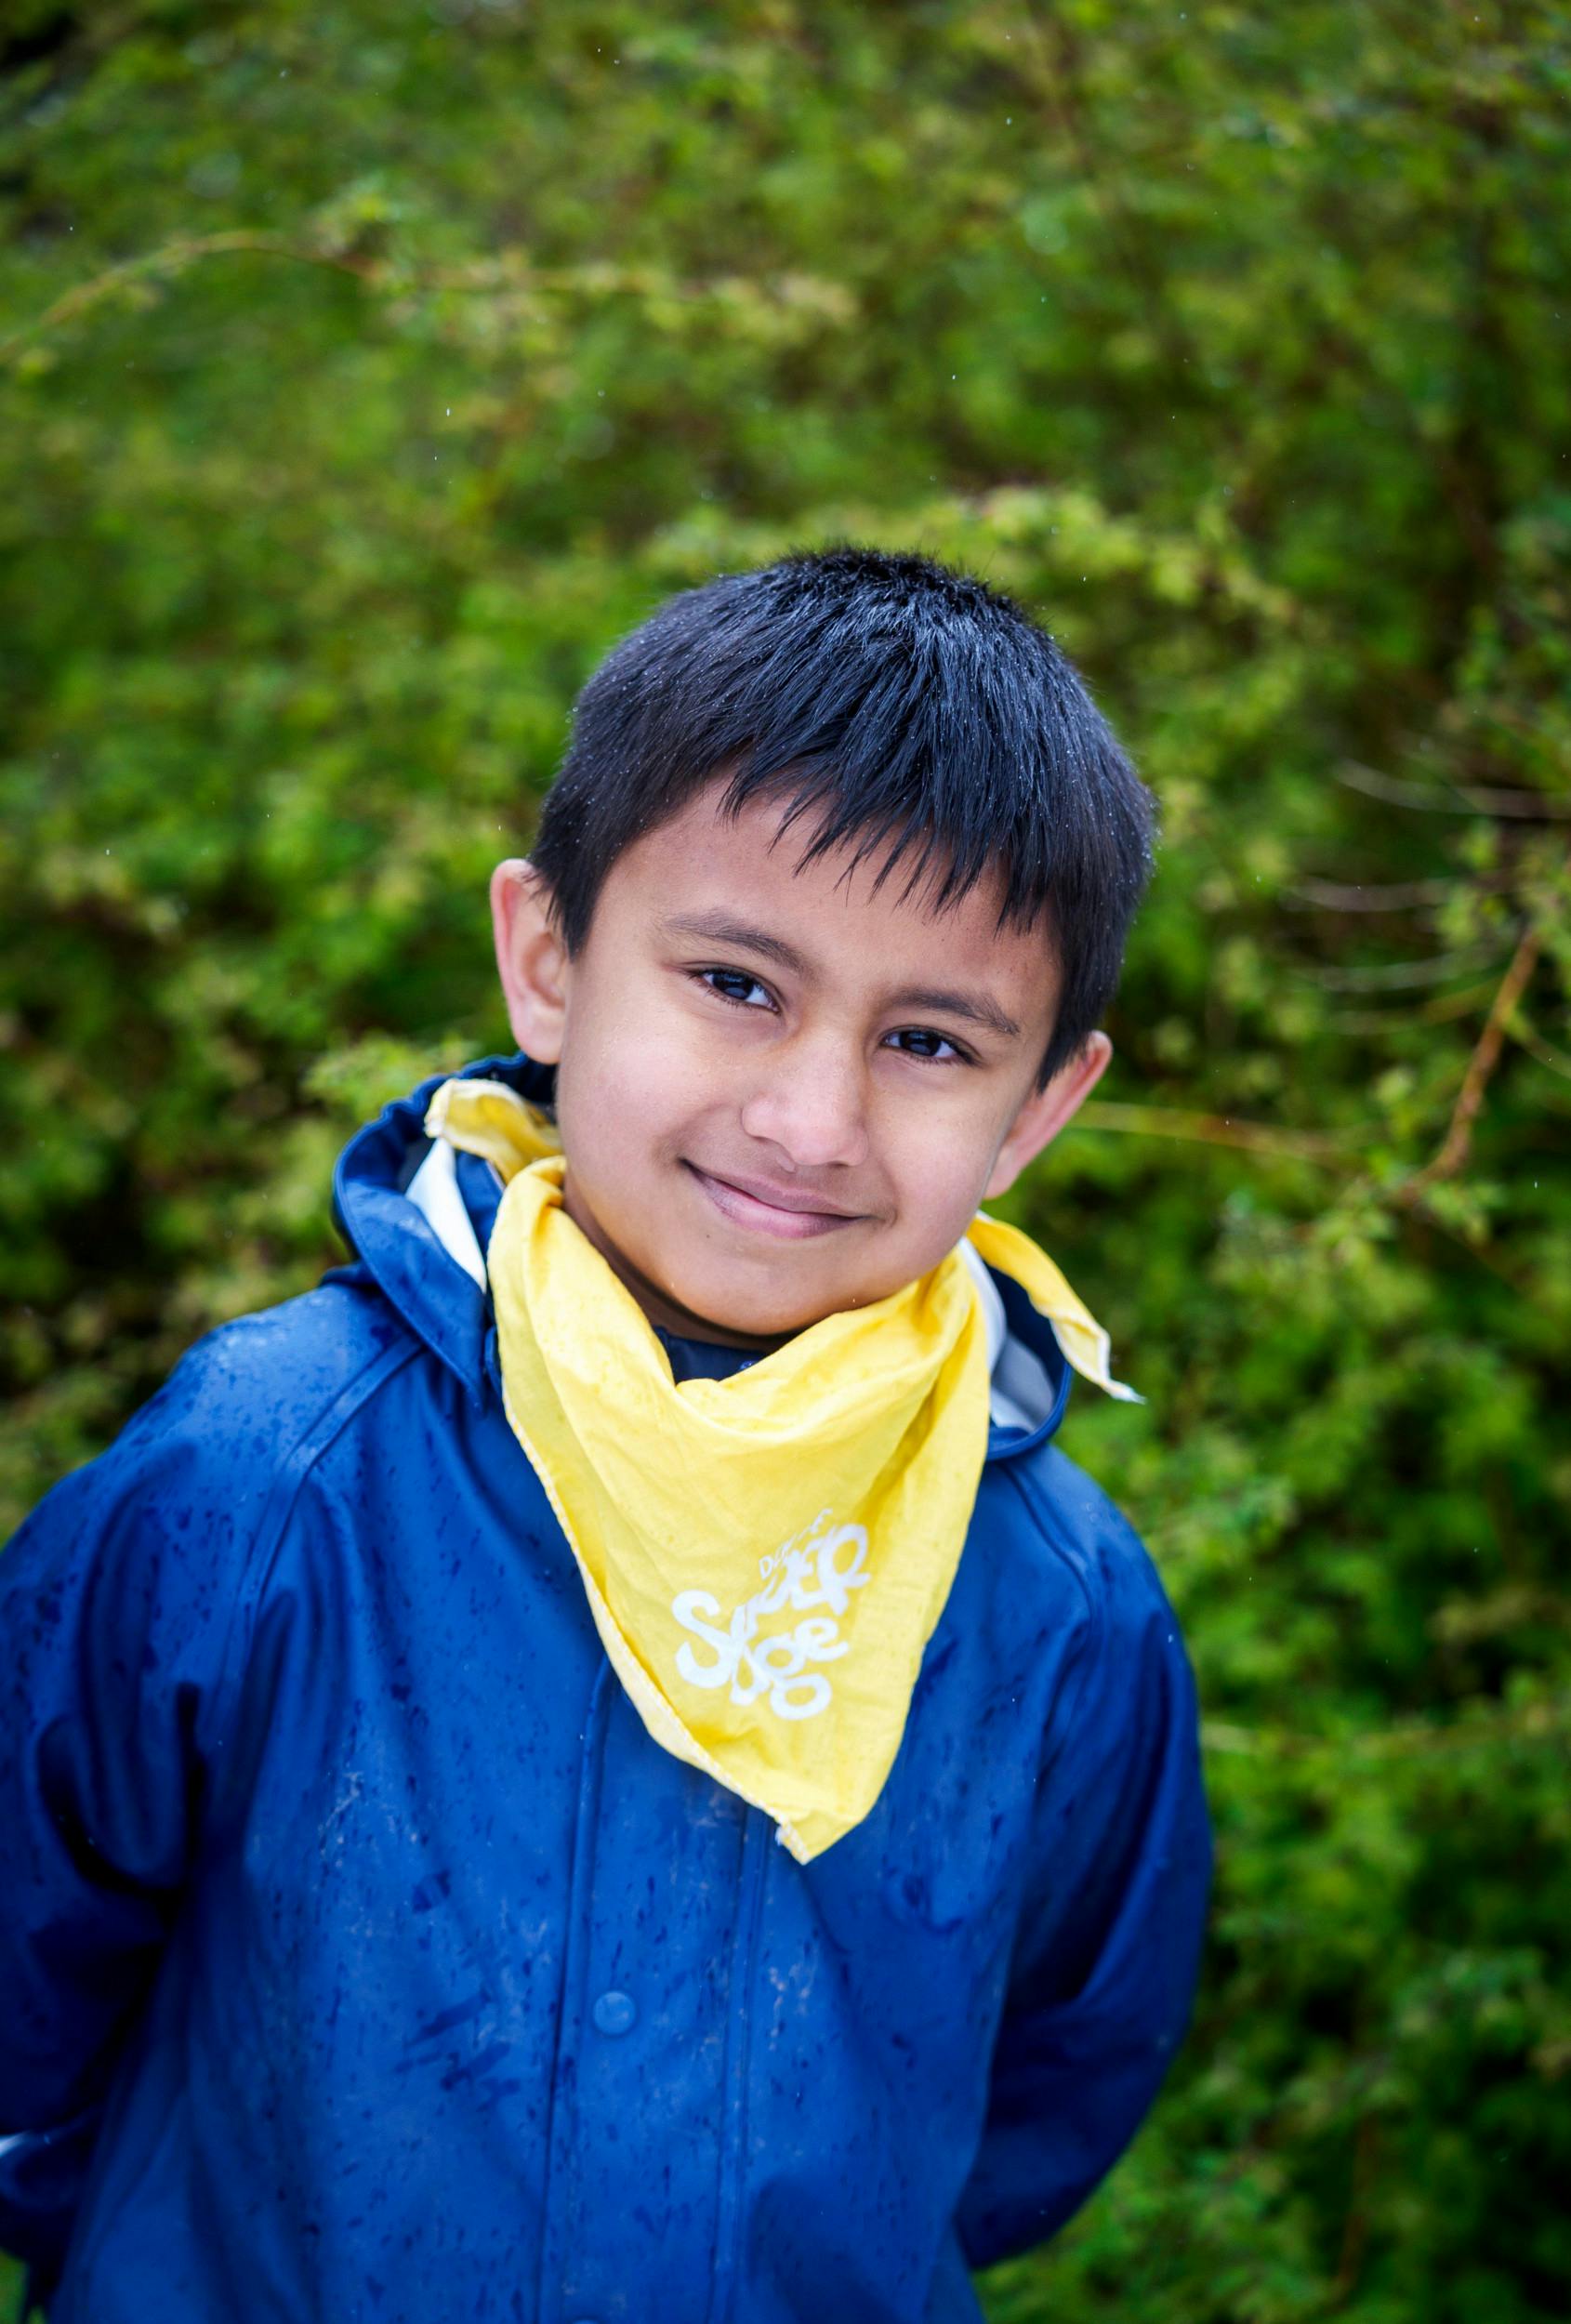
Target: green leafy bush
(370, 370)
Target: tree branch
(1454, 1148)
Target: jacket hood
(398, 1245)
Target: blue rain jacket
(362, 1959)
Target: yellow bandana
(765, 1556)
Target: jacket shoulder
(168, 1523)
(245, 1395)
(241, 1401)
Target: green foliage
(370, 370)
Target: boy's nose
(811, 1107)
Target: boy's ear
(530, 959)
(1046, 1112)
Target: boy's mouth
(779, 1211)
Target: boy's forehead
(748, 870)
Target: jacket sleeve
(117, 1598)
(1106, 1960)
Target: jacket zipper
(574, 1971)
(757, 1838)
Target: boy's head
(825, 904)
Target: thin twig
(1463, 798)
(1215, 1130)
(1447, 1006)
(1527, 1036)
(1440, 1010)
(1355, 2229)
(1394, 976)
(1453, 1147)
(169, 259)
(1396, 895)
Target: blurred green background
(366, 371)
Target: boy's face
(780, 1091)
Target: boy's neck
(662, 1310)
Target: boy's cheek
(635, 1088)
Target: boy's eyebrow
(973, 1008)
(719, 928)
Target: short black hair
(900, 710)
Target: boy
(599, 1766)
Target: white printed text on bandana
(817, 1568)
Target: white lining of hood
(1022, 1393)
(433, 1190)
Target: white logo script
(815, 1567)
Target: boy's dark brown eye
(735, 985)
(922, 1041)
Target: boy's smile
(782, 1089)
(772, 1209)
